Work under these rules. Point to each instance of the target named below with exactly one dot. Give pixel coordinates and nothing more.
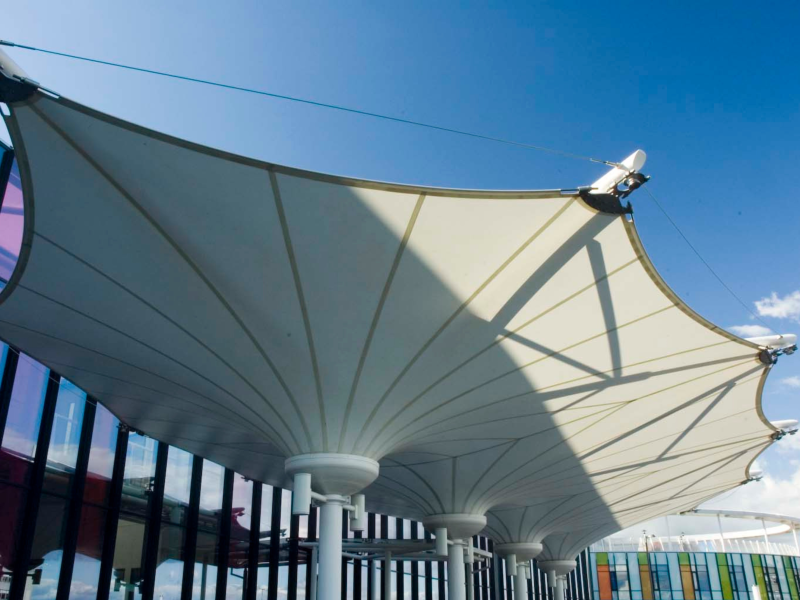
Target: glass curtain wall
(693, 576)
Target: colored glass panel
(686, 580)
(12, 216)
(790, 576)
(647, 584)
(602, 558)
(759, 575)
(724, 577)
(604, 581)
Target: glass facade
(693, 576)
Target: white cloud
(792, 382)
(787, 307)
(770, 495)
(750, 330)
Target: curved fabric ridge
(510, 352)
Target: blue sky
(709, 91)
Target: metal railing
(657, 544)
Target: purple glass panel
(11, 220)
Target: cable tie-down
(770, 357)
(610, 202)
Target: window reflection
(241, 516)
(140, 469)
(10, 521)
(22, 423)
(172, 537)
(86, 571)
(211, 488)
(64, 438)
(169, 572)
(101, 457)
(204, 582)
(48, 542)
(264, 540)
(177, 486)
(127, 574)
(205, 567)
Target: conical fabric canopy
(489, 348)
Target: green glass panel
(787, 562)
(724, 578)
(762, 585)
(602, 558)
(756, 560)
(642, 556)
(683, 558)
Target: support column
(334, 477)
(456, 585)
(519, 554)
(376, 580)
(312, 573)
(557, 571)
(721, 534)
(330, 549)
(460, 529)
(387, 579)
(561, 587)
(520, 584)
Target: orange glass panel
(647, 584)
(604, 582)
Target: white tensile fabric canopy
(512, 352)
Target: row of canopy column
(338, 479)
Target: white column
(766, 537)
(312, 573)
(330, 549)
(669, 534)
(561, 587)
(376, 578)
(387, 579)
(721, 535)
(520, 584)
(456, 586)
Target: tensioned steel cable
(317, 104)
(703, 260)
